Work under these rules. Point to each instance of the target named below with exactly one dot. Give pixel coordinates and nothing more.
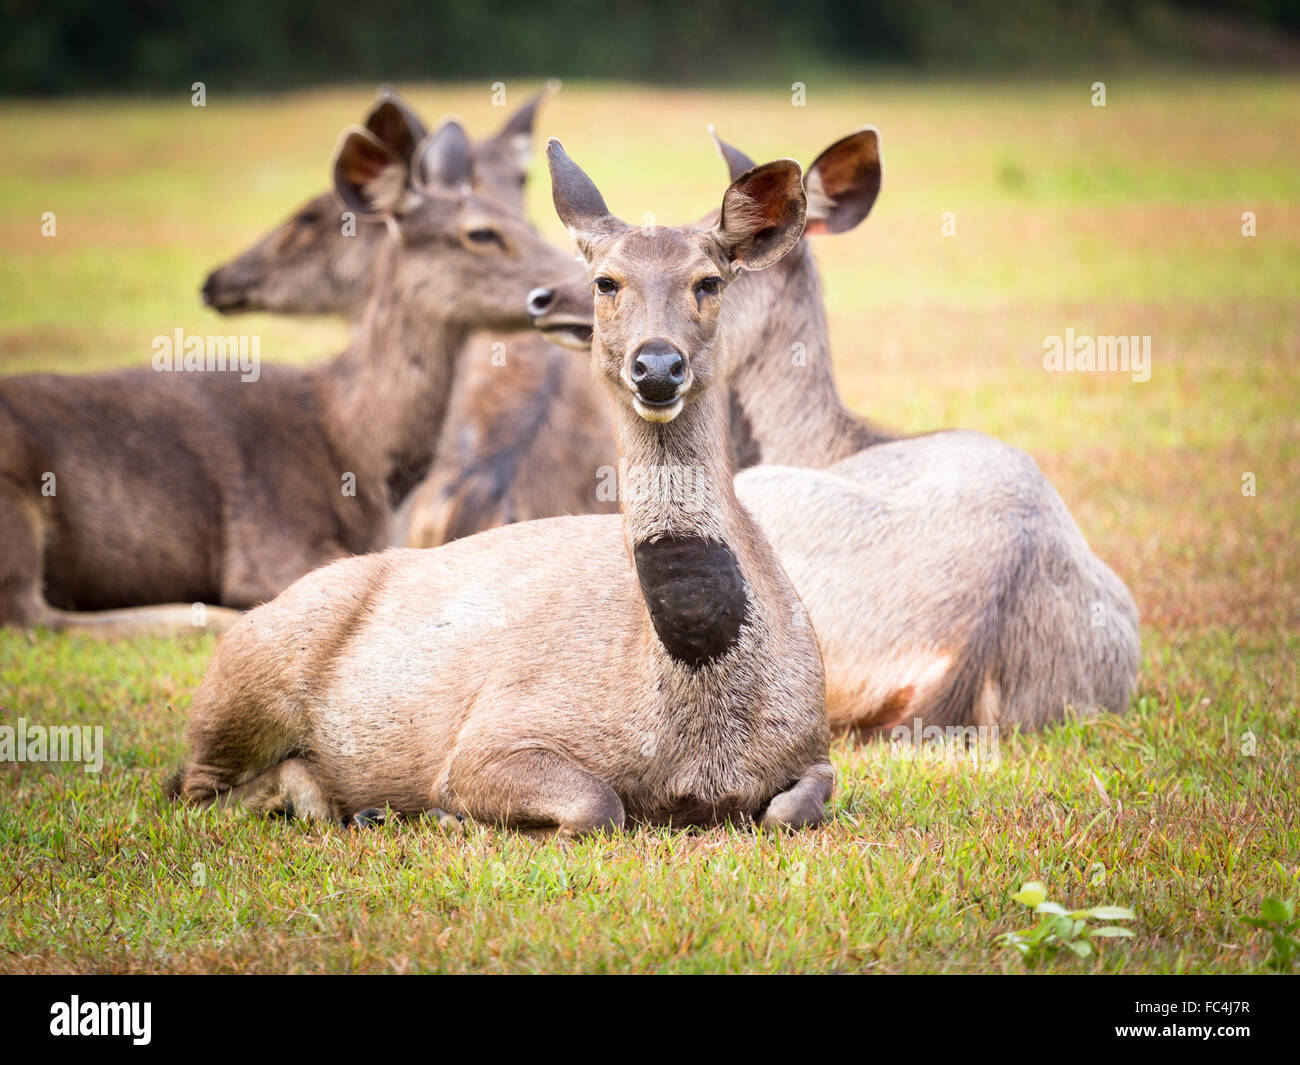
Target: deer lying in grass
(945, 577)
(185, 487)
(1005, 614)
(572, 673)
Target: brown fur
(199, 487)
(527, 436)
(945, 576)
(539, 694)
(991, 575)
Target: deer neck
(386, 397)
(785, 407)
(695, 548)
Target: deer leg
(23, 604)
(287, 789)
(535, 790)
(165, 619)
(242, 747)
(803, 805)
(21, 601)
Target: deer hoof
(368, 818)
(791, 812)
(448, 822)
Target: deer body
(948, 582)
(981, 602)
(945, 576)
(563, 674)
(172, 489)
(416, 688)
(528, 435)
(203, 487)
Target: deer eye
(709, 286)
(485, 236)
(307, 218)
(606, 286)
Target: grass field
(1125, 219)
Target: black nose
(208, 288)
(658, 371)
(539, 299)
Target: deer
(528, 435)
(525, 431)
(183, 488)
(573, 674)
(307, 266)
(946, 579)
(994, 640)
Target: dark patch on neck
(696, 596)
(745, 448)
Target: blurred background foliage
(83, 46)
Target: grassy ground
(1117, 220)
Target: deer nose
(209, 286)
(539, 300)
(658, 371)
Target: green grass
(1122, 220)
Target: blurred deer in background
(308, 265)
(526, 433)
(193, 487)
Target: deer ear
(368, 175)
(577, 200)
(517, 134)
(392, 120)
(763, 214)
(445, 159)
(843, 182)
(737, 161)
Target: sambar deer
(944, 650)
(524, 425)
(572, 673)
(945, 576)
(200, 487)
(308, 265)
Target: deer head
(457, 257)
(501, 162)
(320, 260)
(841, 184)
(658, 293)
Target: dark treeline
(53, 46)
